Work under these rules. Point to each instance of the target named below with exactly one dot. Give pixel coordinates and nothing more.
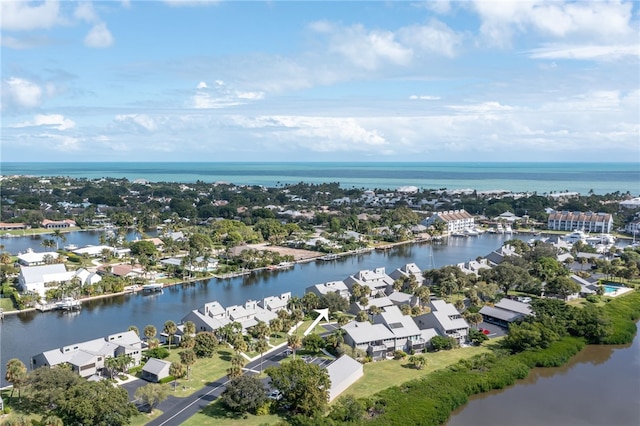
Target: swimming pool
(611, 289)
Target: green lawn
(6, 304)
(384, 374)
(215, 414)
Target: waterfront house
(249, 314)
(343, 372)
(379, 302)
(407, 271)
(584, 221)
(455, 220)
(4, 226)
(209, 317)
(446, 319)
(337, 287)
(58, 224)
(155, 370)
(87, 358)
(31, 258)
(374, 339)
(40, 278)
(275, 303)
(473, 267)
(377, 281)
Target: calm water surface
(26, 334)
(599, 386)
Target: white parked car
(276, 395)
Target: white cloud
(221, 96)
(56, 121)
(363, 48)
(585, 20)
(25, 16)
(484, 107)
(585, 52)
(139, 121)
(424, 98)
(22, 93)
(99, 36)
(435, 37)
(86, 12)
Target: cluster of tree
(553, 319)
(59, 392)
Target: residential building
(455, 220)
(505, 312)
(338, 287)
(377, 281)
(87, 358)
(406, 271)
(58, 224)
(31, 258)
(155, 370)
(343, 372)
(40, 278)
(446, 319)
(587, 222)
(276, 303)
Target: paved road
(178, 410)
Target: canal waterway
(26, 334)
(599, 386)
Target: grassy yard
(203, 371)
(384, 374)
(6, 304)
(215, 414)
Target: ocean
(601, 178)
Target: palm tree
(294, 342)
(170, 329)
(189, 328)
(188, 358)
(261, 346)
(134, 329)
(59, 236)
(16, 375)
(178, 371)
(150, 332)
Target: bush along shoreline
(432, 399)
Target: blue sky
(320, 81)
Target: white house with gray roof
(377, 280)
(31, 258)
(40, 278)
(338, 287)
(87, 358)
(276, 303)
(505, 312)
(446, 319)
(406, 271)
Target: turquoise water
(602, 178)
(610, 289)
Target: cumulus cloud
(99, 36)
(221, 96)
(367, 49)
(501, 20)
(25, 16)
(21, 92)
(436, 37)
(56, 121)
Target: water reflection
(599, 386)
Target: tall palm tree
(170, 329)
(59, 236)
(294, 342)
(261, 346)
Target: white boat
(508, 230)
(604, 239)
(499, 229)
(152, 287)
(575, 236)
(68, 304)
(471, 232)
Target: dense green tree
(47, 386)
(206, 344)
(313, 342)
(294, 342)
(151, 395)
(562, 286)
(96, 403)
(143, 248)
(591, 323)
(244, 394)
(418, 361)
(304, 387)
(334, 302)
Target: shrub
(167, 379)
(159, 352)
(7, 410)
